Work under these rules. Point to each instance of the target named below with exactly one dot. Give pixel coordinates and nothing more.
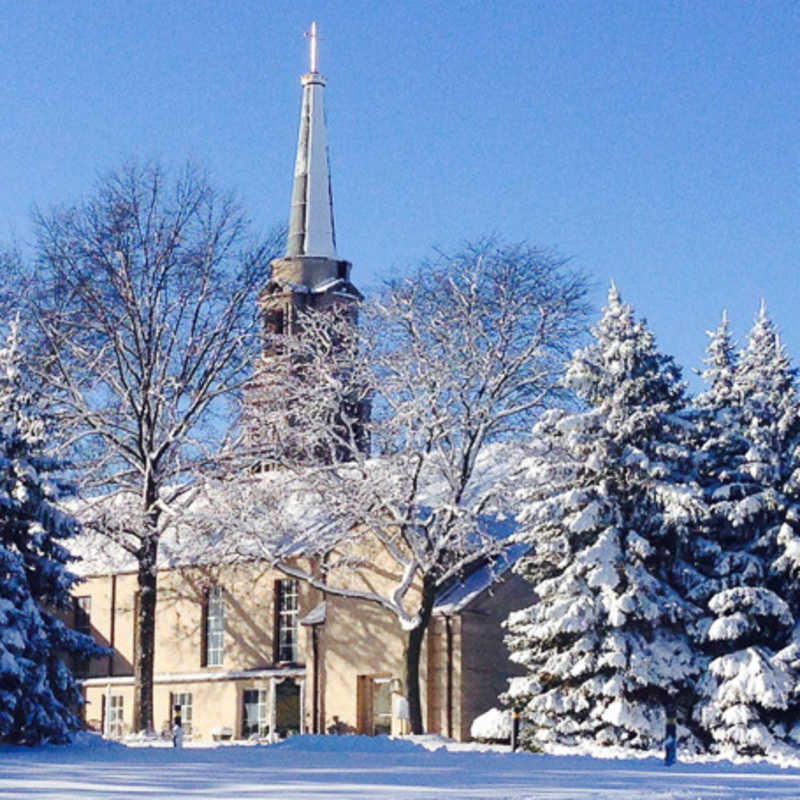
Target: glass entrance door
(381, 706)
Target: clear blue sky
(654, 142)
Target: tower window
(275, 321)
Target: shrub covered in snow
(493, 725)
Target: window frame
(180, 699)
(213, 652)
(287, 621)
(115, 721)
(261, 703)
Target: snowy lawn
(356, 767)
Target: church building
(246, 652)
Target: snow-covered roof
(458, 596)
(199, 677)
(327, 285)
(181, 543)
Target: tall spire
(311, 231)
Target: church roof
(464, 591)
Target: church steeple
(311, 230)
(310, 278)
(310, 275)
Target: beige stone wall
(468, 660)
(360, 642)
(214, 703)
(444, 669)
(360, 647)
(111, 620)
(249, 617)
(179, 654)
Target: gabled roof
(461, 594)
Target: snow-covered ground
(356, 768)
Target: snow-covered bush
(492, 726)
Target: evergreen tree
(766, 386)
(722, 549)
(747, 421)
(606, 503)
(716, 442)
(38, 695)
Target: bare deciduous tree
(461, 355)
(145, 299)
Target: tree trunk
(416, 637)
(144, 653)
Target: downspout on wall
(315, 686)
(448, 624)
(112, 625)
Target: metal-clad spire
(311, 231)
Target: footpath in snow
(357, 768)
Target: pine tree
(716, 442)
(38, 695)
(606, 501)
(748, 422)
(722, 552)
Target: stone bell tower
(310, 275)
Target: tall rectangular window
(116, 723)
(184, 701)
(286, 615)
(81, 621)
(215, 627)
(255, 721)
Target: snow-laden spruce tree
(606, 497)
(722, 549)
(748, 424)
(38, 695)
(766, 387)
